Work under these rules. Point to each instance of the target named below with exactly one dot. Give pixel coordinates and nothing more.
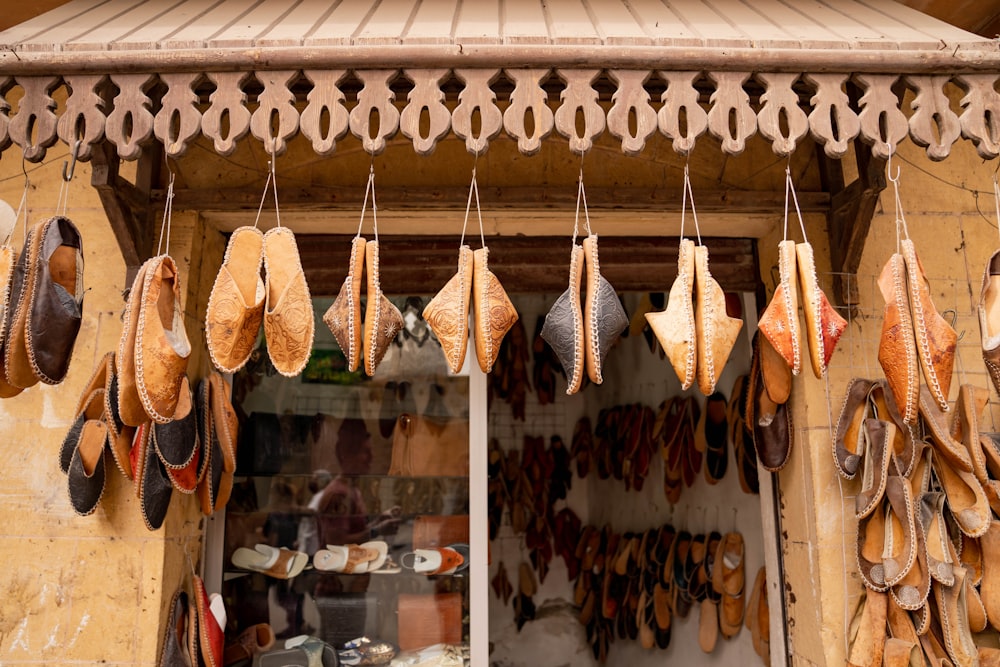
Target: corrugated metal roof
(121, 25)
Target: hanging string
(23, 206)
(272, 183)
(689, 194)
(790, 187)
(901, 229)
(581, 195)
(168, 213)
(473, 190)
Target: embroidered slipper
(447, 313)
(277, 563)
(604, 317)
(936, 424)
(824, 325)
(176, 442)
(17, 364)
(878, 435)
(936, 339)
(965, 426)
(236, 304)
(288, 315)
(493, 312)
(86, 474)
(564, 330)
(56, 307)
(717, 332)
(129, 404)
(343, 317)
(911, 591)
(211, 613)
(897, 350)
(674, 327)
(162, 348)
(383, 321)
(152, 483)
(780, 321)
(899, 548)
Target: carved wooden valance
(528, 105)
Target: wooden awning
(175, 69)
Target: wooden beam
(515, 197)
(123, 203)
(849, 217)
(422, 265)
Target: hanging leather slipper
(911, 591)
(152, 483)
(447, 314)
(936, 339)
(255, 640)
(780, 321)
(714, 428)
(772, 431)
(867, 631)
(17, 364)
(288, 313)
(940, 565)
(493, 312)
(965, 427)
(382, 319)
(870, 546)
(774, 373)
(989, 318)
(990, 587)
(824, 325)
(966, 498)
(236, 304)
(936, 422)
(675, 327)
(120, 435)
(211, 625)
(849, 440)
(897, 350)
(878, 436)
(162, 348)
(56, 308)
(90, 406)
(902, 653)
(564, 328)
(218, 426)
(953, 613)
(176, 442)
(604, 317)
(129, 404)
(343, 317)
(7, 260)
(86, 474)
(175, 651)
(900, 547)
(729, 581)
(716, 331)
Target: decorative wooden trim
(781, 101)
(579, 97)
(426, 94)
(276, 102)
(731, 120)
(981, 119)
(178, 121)
(933, 124)
(680, 100)
(880, 106)
(227, 105)
(130, 122)
(83, 120)
(832, 122)
(33, 127)
(477, 100)
(528, 97)
(327, 99)
(377, 97)
(5, 84)
(631, 101)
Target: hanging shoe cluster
(926, 535)
(195, 631)
(41, 305)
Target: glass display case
(350, 512)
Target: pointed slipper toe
(383, 321)
(780, 321)
(288, 313)
(563, 327)
(236, 304)
(897, 351)
(17, 364)
(824, 325)
(674, 327)
(493, 312)
(447, 313)
(717, 332)
(343, 317)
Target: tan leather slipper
(8, 303)
(910, 592)
(494, 313)
(162, 348)
(966, 498)
(236, 304)
(343, 317)
(563, 329)
(603, 315)
(447, 314)
(674, 326)
(897, 350)
(936, 339)
(976, 609)
(288, 313)
(965, 427)
(940, 565)
(383, 321)
(870, 546)
(899, 552)
(878, 435)
(129, 404)
(954, 618)
(945, 446)
(780, 321)
(774, 372)
(716, 331)
(990, 588)
(848, 442)
(824, 325)
(868, 631)
(16, 362)
(902, 653)
(708, 626)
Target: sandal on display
(447, 313)
(288, 315)
(343, 317)
(563, 327)
(236, 304)
(351, 558)
(675, 327)
(439, 560)
(780, 321)
(277, 563)
(897, 350)
(383, 321)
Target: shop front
(527, 383)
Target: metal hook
(888, 168)
(69, 168)
(954, 320)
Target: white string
(270, 182)
(689, 194)
(369, 187)
(62, 199)
(168, 211)
(23, 206)
(581, 195)
(473, 190)
(790, 187)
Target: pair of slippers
(370, 557)
(41, 305)
(241, 300)
(154, 349)
(372, 337)
(581, 337)
(195, 629)
(475, 286)
(695, 330)
(279, 563)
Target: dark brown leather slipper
(86, 473)
(17, 365)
